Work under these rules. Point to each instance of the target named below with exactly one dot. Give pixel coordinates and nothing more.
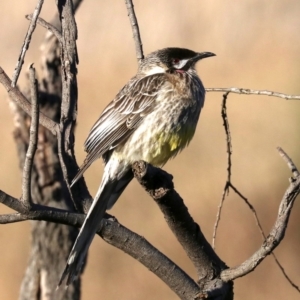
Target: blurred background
(257, 45)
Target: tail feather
(88, 231)
(120, 187)
(80, 172)
(107, 194)
(87, 162)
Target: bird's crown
(171, 59)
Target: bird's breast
(165, 131)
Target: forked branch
(17, 96)
(115, 234)
(277, 232)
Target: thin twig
(33, 138)
(48, 26)
(251, 208)
(289, 162)
(218, 218)
(77, 205)
(26, 43)
(23, 102)
(254, 92)
(135, 31)
(228, 136)
(229, 153)
(284, 273)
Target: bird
(152, 118)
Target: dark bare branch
(16, 95)
(12, 202)
(159, 185)
(69, 69)
(116, 235)
(33, 138)
(48, 186)
(228, 136)
(253, 92)
(38, 212)
(48, 26)
(26, 43)
(140, 249)
(69, 61)
(135, 30)
(56, 20)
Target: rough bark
(50, 242)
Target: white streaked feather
(155, 70)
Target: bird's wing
(121, 117)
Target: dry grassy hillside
(258, 46)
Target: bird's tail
(109, 191)
(81, 170)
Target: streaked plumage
(152, 118)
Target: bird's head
(169, 60)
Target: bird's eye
(176, 61)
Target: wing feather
(121, 117)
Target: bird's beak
(202, 55)
(192, 61)
(199, 56)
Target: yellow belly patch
(168, 145)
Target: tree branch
(229, 153)
(12, 218)
(16, 95)
(69, 61)
(26, 42)
(140, 249)
(159, 185)
(229, 185)
(49, 186)
(48, 26)
(289, 162)
(33, 138)
(253, 92)
(275, 236)
(116, 235)
(135, 30)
